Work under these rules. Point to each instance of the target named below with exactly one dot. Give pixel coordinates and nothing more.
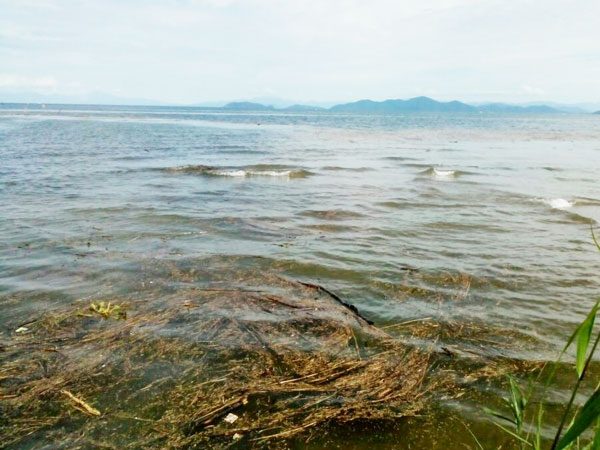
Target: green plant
(108, 310)
(579, 420)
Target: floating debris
(288, 357)
(230, 418)
(81, 405)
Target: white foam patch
(272, 173)
(558, 203)
(443, 174)
(253, 173)
(230, 173)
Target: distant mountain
(506, 108)
(575, 109)
(247, 106)
(283, 103)
(251, 106)
(597, 112)
(417, 104)
(303, 108)
(426, 104)
(413, 105)
(588, 106)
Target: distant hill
(426, 104)
(505, 108)
(417, 104)
(247, 106)
(597, 112)
(251, 106)
(413, 105)
(582, 108)
(303, 108)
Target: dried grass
(168, 375)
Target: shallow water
(474, 219)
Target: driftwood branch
(352, 308)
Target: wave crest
(558, 203)
(441, 174)
(242, 172)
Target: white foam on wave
(230, 173)
(558, 203)
(253, 173)
(443, 173)
(440, 174)
(272, 173)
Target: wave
(332, 214)
(349, 169)
(261, 170)
(587, 201)
(442, 174)
(398, 158)
(238, 149)
(581, 218)
(584, 209)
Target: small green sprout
(109, 310)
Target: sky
(195, 51)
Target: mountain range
(392, 106)
(417, 104)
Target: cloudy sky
(192, 51)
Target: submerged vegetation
(271, 364)
(109, 310)
(206, 368)
(262, 361)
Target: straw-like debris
(177, 371)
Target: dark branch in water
(352, 308)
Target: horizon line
(311, 104)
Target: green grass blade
(479, 446)
(584, 335)
(516, 436)
(518, 402)
(588, 414)
(573, 394)
(578, 329)
(596, 442)
(594, 237)
(498, 415)
(538, 428)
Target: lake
(462, 235)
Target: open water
(466, 220)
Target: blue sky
(192, 51)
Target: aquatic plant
(576, 420)
(109, 310)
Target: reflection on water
(473, 230)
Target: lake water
(460, 220)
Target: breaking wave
(245, 171)
(442, 174)
(558, 203)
